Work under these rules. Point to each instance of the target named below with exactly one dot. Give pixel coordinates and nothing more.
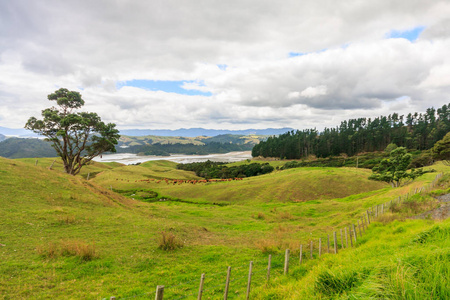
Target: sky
(216, 64)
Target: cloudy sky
(225, 64)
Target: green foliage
(77, 137)
(394, 170)
(441, 150)
(211, 169)
(422, 160)
(366, 160)
(389, 148)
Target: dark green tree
(76, 136)
(394, 170)
(441, 150)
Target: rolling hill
(68, 237)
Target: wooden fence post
(159, 292)
(301, 254)
(359, 228)
(328, 243)
(35, 164)
(363, 225)
(89, 174)
(350, 234)
(354, 233)
(227, 284)
(286, 262)
(311, 249)
(368, 216)
(342, 240)
(52, 165)
(346, 238)
(269, 265)
(320, 247)
(335, 243)
(200, 289)
(249, 279)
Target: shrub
(168, 241)
(423, 160)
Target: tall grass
(84, 251)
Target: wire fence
(236, 282)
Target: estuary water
(130, 158)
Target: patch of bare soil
(440, 213)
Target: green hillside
(18, 148)
(66, 237)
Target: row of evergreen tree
(417, 131)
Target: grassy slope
(41, 208)
(406, 259)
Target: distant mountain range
(19, 132)
(194, 132)
(183, 132)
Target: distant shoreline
(130, 158)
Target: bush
(168, 241)
(423, 160)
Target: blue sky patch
(294, 54)
(222, 67)
(411, 34)
(163, 85)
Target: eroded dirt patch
(440, 213)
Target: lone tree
(76, 136)
(394, 170)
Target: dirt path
(440, 213)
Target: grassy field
(66, 237)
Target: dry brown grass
(66, 219)
(84, 251)
(285, 215)
(389, 217)
(268, 245)
(168, 241)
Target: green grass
(393, 261)
(67, 237)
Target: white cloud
(91, 45)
